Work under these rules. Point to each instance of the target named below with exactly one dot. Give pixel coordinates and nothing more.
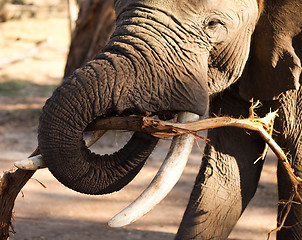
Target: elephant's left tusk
(37, 162)
(167, 176)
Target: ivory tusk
(32, 163)
(36, 162)
(167, 176)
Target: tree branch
(12, 182)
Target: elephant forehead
(224, 4)
(202, 5)
(229, 8)
(192, 4)
(192, 10)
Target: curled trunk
(128, 77)
(62, 123)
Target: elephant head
(164, 58)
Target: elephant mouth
(165, 179)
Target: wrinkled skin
(171, 56)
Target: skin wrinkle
(100, 84)
(226, 62)
(219, 211)
(180, 27)
(140, 74)
(134, 64)
(81, 85)
(163, 54)
(117, 95)
(93, 93)
(123, 44)
(71, 115)
(140, 57)
(290, 126)
(172, 31)
(59, 120)
(235, 70)
(95, 89)
(176, 48)
(112, 83)
(67, 114)
(187, 97)
(201, 183)
(221, 60)
(161, 16)
(106, 89)
(223, 167)
(158, 37)
(86, 104)
(65, 132)
(89, 90)
(167, 37)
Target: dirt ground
(56, 212)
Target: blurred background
(40, 43)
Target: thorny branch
(162, 129)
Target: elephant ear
(274, 64)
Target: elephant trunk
(76, 103)
(137, 72)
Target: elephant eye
(214, 23)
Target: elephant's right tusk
(37, 162)
(167, 176)
(32, 163)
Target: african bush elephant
(198, 56)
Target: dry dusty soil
(56, 212)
